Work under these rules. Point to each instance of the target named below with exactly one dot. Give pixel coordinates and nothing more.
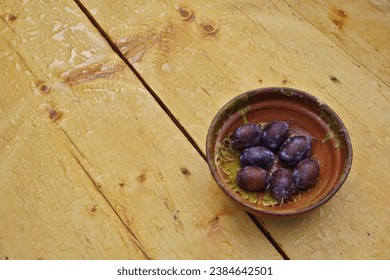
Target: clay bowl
(305, 114)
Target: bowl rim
(251, 208)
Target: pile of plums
(260, 148)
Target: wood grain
(361, 28)
(91, 166)
(49, 208)
(198, 55)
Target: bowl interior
(306, 115)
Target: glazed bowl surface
(305, 115)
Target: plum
(246, 136)
(253, 178)
(257, 156)
(295, 149)
(281, 185)
(306, 174)
(274, 135)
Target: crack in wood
(5, 21)
(22, 60)
(205, 91)
(98, 188)
(71, 141)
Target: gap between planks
(114, 47)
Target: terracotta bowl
(305, 114)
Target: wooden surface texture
(104, 112)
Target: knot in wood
(42, 87)
(10, 17)
(53, 114)
(209, 28)
(185, 13)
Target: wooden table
(105, 107)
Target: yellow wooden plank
(83, 143)
(361, 28)
(197, 55)
(49, 208)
